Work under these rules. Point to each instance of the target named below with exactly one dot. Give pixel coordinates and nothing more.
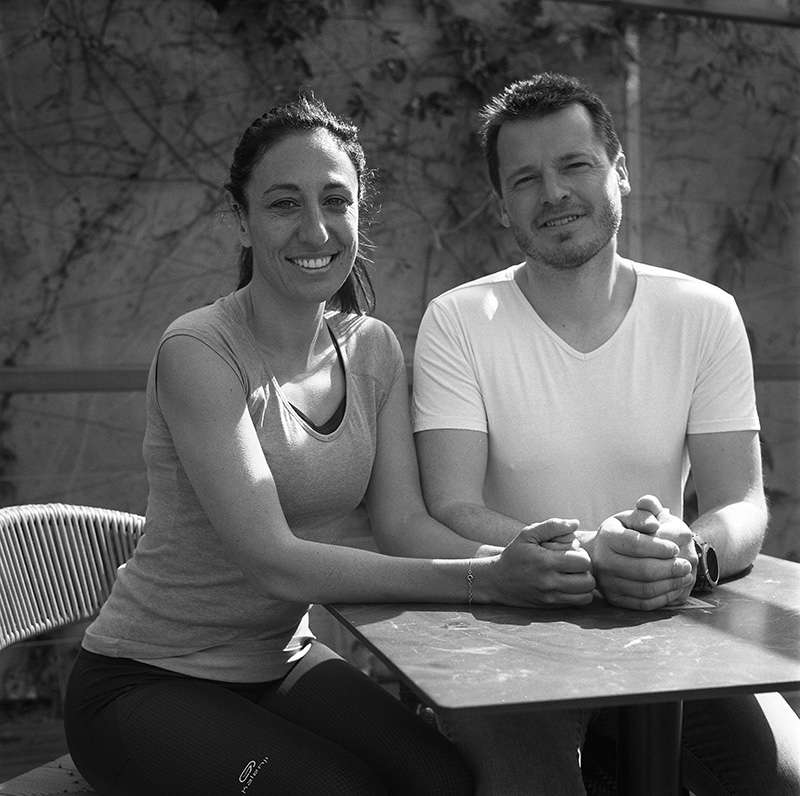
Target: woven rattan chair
(57, 565)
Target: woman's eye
(338, 202)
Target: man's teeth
(313, 262)
(559, 222)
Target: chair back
(58, 563)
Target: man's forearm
(479, 523)
(735, 531)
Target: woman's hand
(542, 566)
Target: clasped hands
(643, 558)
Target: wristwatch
(707, 567)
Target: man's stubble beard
(566, 256)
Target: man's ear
(622, 175)
(502, 213)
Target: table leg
(649, 751)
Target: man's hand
(544, 566)
(650, 516)
(644, 558)
(650, 512)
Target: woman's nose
(313, 229)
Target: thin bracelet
(470, 578)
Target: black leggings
(325, 728)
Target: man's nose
(313, 229)
(554, 188)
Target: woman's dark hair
(305, 113)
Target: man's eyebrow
(526, 169)
(580, 153)
(566, 157)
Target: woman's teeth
(312, 262)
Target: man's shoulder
(476, 289)
(665, 284)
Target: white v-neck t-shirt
(576, 434)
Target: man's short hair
(534, 98)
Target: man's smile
(560, 221)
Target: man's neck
(584, 306)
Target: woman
(271, 414)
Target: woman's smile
(315, 263)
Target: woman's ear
(244, 231)
(242, 227)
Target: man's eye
(284, 204)
(578, 165)
(524, 180)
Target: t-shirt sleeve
(446, 393)
(374, 355)
(209, 337)
(393, 362)
(724, 393)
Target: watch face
(712, 565)
(707, 567)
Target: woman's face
(302, 217)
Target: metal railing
(133, 378)
(47, 378)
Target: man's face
(561, 195)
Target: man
(577, 381)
